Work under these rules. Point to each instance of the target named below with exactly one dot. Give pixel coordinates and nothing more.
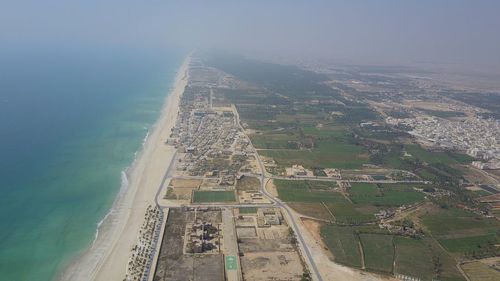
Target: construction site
(227, 244)
(267, 246)
(190, 248)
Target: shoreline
(107, 256)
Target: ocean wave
(145, 139)
(123, 189)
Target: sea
(71, 122)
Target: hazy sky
(390, 31)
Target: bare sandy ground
(108, 256)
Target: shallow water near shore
(70, 125)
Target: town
(253, 184)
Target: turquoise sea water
(70, 123)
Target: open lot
(181, 189)
(271, 266)
(247, 183)
(266, 250)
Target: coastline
(108, 255)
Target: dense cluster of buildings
(478, 137)
(209, 139)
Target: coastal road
(159, 228)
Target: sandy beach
(108, 256)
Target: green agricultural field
(348, 213)
(463, 232)
(306, 192)
(469, 245)
(304, 118)
(343, 243)
(445, 265)
(388, 195)
(413, 258)
(326, 154)
(202, 196)
(321, 185)
(324, 132)
(273, 141)
(440, 162)
(432, 157)
(378, 251)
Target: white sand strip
(107, 258)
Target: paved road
(159, 227)
(335, 180)
(279, 203)
(350, 181)
(275, 202)
(230, 244)
(263, 180)
(218, 205)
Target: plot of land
(348, 213)
(437, 157)
(378, 251)
(413, 258)
(478, 271)
(326, 154)
(248, 210)
(266, 250)
(274, 141)
(270, 265)
(306, 191)
(324, 131)
(384, 195)
(202, 196)
(180, 189)
(314, 210)
(462, 232)
(342, 243)
(173, 264)
(247, 183)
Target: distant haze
(385, 31)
